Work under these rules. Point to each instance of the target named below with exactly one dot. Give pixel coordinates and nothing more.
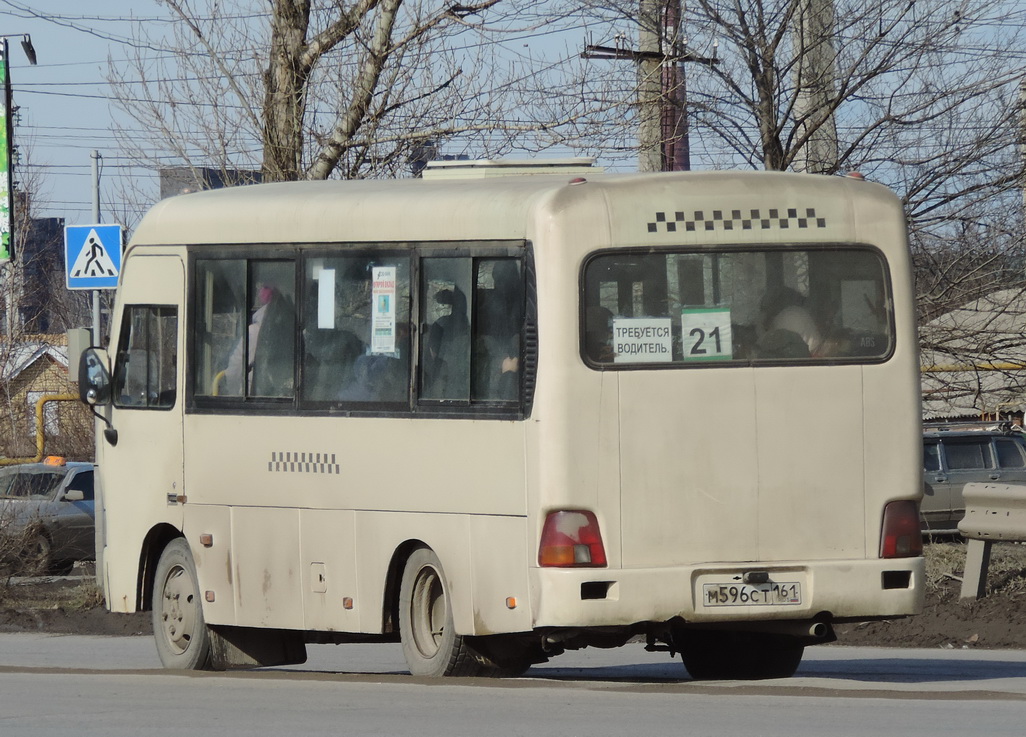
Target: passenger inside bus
(788, 329)
(499, 314)
(271, 338)
(381, 377)
(446, 364)
(330, 362)
(275, 343)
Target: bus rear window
(736, 307)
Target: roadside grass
(49, 593)
(945, 561)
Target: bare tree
(920, 96)
(317, 88)
(38, 311)
(906, 85)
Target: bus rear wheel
(430, 643)
(711, 655)
(181, 634)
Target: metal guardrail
(993, 513)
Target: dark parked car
(955, 457)
(46, 516)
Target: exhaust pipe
(818, 630)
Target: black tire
(62, 567)
(36, 556)
(430, 643)
(181, 634)
(715, 655)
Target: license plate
(746, 594)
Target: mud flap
(239, 648)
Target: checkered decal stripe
(286, 462)
(700, 220)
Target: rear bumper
(838, 590)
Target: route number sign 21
(706, 334)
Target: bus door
(145, 464)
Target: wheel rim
(428, 612)
(178, 609)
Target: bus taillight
(570, 538)
(901, 536)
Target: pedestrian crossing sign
(92, 256)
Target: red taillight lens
(571, 537)
(900, 536)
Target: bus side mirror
(94, 378)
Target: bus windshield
(736, 307)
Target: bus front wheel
(430, 643)
(181, 634)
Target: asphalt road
(70, 685)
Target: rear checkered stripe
(286, 462)
(701, 220)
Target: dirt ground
(74, 606)
(996, 621)
(66, 605)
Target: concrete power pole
(650, 87)
(676, 144)
(1022, 142)
(663, 143)
(816, 73)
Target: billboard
(6, 195)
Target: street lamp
(30, 51)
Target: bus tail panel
(827, 591)
(774, 473)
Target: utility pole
(1022, 142)
(650, 87)
(676, 144)
(816, 82)
(663, 143)
(8, 268)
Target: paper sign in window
(705, 334)
(325, 298)
(383, 310)
(642, 339)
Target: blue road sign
(92, 256)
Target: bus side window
(382, 374)
(272, 329)
(146, 372)
(356, 335)
(445, 336)
(331, 326)
(498, 324)
(219, 345)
